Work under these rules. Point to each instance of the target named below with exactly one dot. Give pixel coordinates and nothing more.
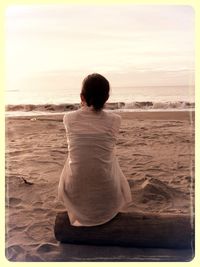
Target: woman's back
(92, 176)
(85, 120)
(92, 185)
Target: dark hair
(95, 90)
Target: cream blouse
(92, 185)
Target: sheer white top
(92, 185)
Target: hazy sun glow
(140, 45)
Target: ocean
(156, 98)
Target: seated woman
(92, 185)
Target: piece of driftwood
(130, 229)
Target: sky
(132, 45)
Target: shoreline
(130, 115)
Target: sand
(155, 151)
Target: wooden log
(130, 229)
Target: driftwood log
(130, 229)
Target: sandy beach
(155, 151)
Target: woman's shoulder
(113, 116)
(114, 119)
(69, 115)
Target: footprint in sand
(47, 247)
(12, 252)
(19, 207)
(39, 211)
(38, 204)
(39, 231)
(17, 220)
(12, 201)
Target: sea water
(156, 98)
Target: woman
(92, 185)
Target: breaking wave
(137, 105)
(148, 105)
